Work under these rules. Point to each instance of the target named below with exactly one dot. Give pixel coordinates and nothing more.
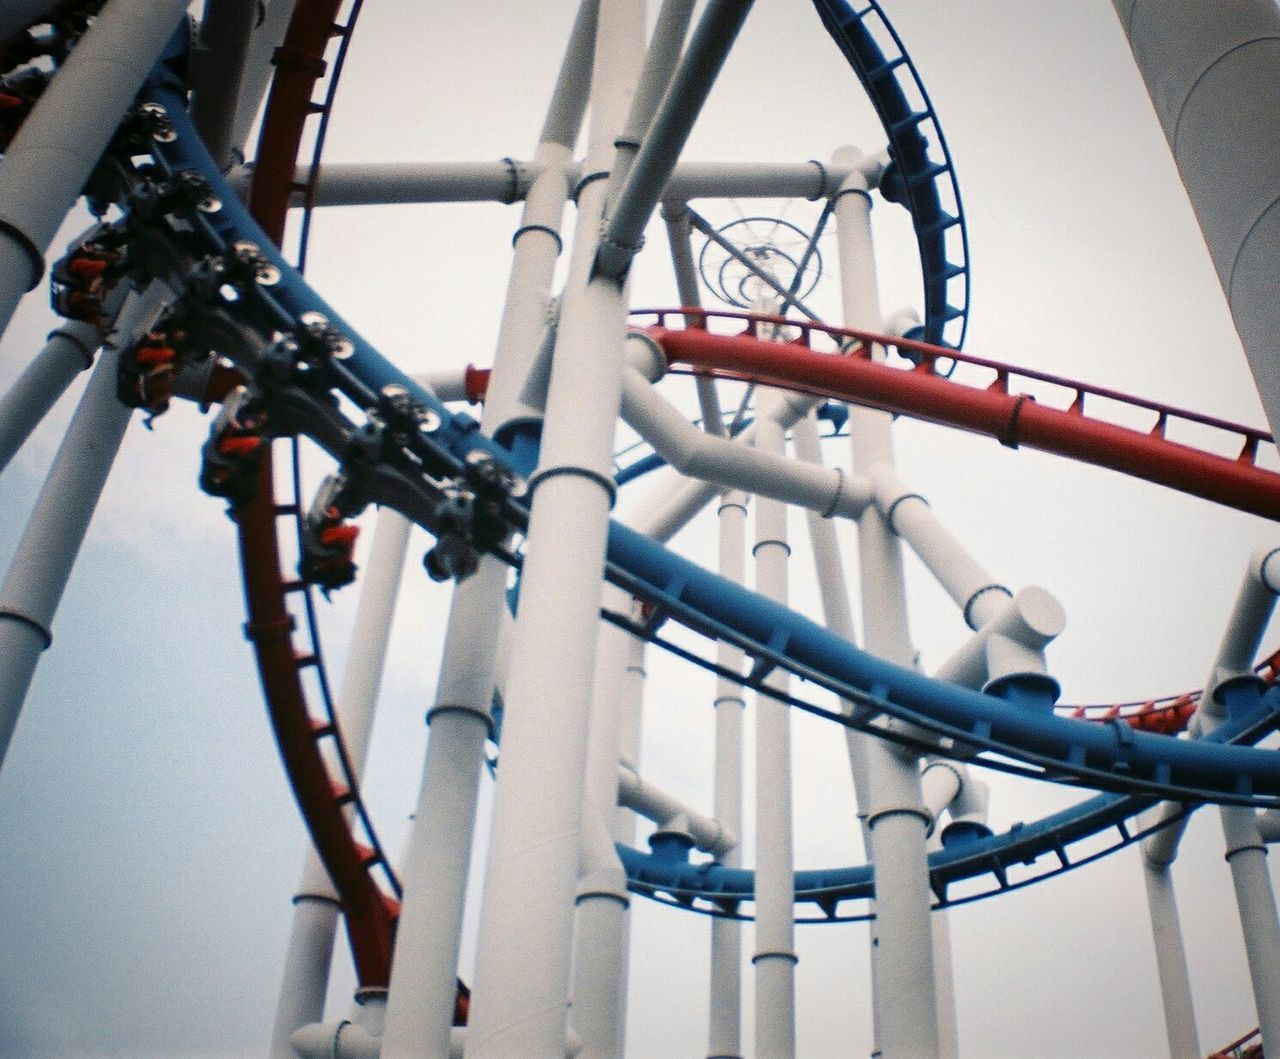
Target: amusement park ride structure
(517, 467)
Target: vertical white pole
(1171, 959)
(600, 973)
(1247, 856)
(523, 970)
(316, 908)
(429, 935)
(775, 956)
(48, 549)
(68, 352)
(905, 996)
(725, 1040)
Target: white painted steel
(673, 816)
(599, 982)
(1247, 856)
(940, 784)
(523, 968)
(1009, 642)
(725, 1014)
(1269, 826)
(1213, 74)
(423, 985)
(1254, 603)
(306, 974)
(959, 573)
(1171, 962)
(45, 168)
(735, 464)
(47, 552)
(68, 352)
(904, 995)
(775, 946)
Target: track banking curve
(1104, 754)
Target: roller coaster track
(1137, 765)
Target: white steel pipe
(45, 168)
(1254, 604)
(523, 969)
(732, 464)
(68, 352)
(1213, 74)
(940, 784)
(420, 1005)
(47, 552)
(1269, 826)
(708, 833)
(1171, 962)
(959, 573)
(725, 1009)
(1247, 857)
(775, 948)
(1011, 642)
(905, 995)
(599, 993)
(306, 974)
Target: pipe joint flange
(603, 480)
(525, 229)
(775, 954)
(1244, 847)
(837, 496)
(35, 257)
(728, 505)
(464, 709)
(514, 175)
(628, 249)
(823, 176)
(40, 628)
(727, 700)
(75, 340)
(842, 192)
(585, 180)
(898, 809)
(967, 610)
(605, 893)
(892, 509)
(755, 548)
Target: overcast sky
(152, 844)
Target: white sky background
(152, 843)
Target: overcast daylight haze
(152, 845)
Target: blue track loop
(1108, 756)
(921, 181)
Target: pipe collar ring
(25, 619)
(899, 809)
(602, 480)
(526, 228)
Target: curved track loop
(990, 408)
(917, 180)
(1102, 755)
(369, 912)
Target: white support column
(316, 908)
(48, 549)
(523, 970)
(600, 972)
(725, 1037)
(51, 157)
(68, 352)
(905, 997)
(1171, 958)
(429, 936)
(775, 956)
